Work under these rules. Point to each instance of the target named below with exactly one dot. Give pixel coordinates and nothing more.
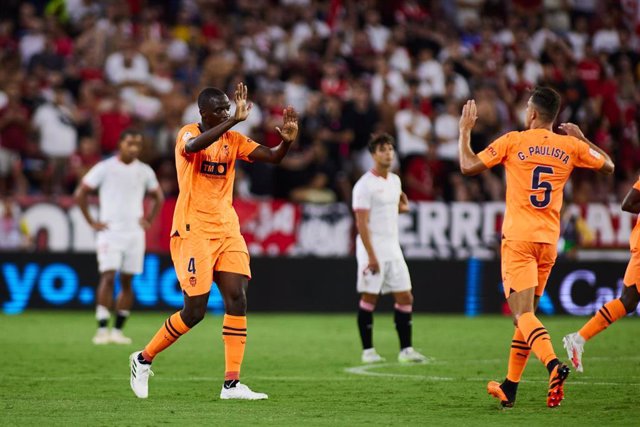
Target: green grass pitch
(51, 374)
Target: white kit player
(377, 200)
(122, 182)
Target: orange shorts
(195, 260)
(526, 265)
(632, 274)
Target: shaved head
(208, 96)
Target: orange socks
(169, 333)
(234, 335)
(536, 337)
(518, 357)
(608, 313)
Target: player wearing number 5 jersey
(206, 243)
(538, 163)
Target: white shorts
(120, 251)
(392, 277)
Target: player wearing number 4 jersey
(538, 163)
(206, 243)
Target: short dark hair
(546, 102)
(129, 132)
(380, 139)
(205, 96)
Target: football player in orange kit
(206, 243)
(619, 307)
(538, 163)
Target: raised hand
(289, 130)
(571, 130)
(469, 116)
(242, 106)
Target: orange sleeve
(497, 151)
(636, 186)
(187, 132)
(587, 157)
(245, 145)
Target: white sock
(102, 313)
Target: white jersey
(381, 197)
(121, 190)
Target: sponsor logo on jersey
(214, 168)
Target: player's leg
(513, 265)
(608, 313)
(366, 307)
(193, 264)
(369, 286)
(104, 301)
(132, 264)
(519, 353)
(398, 281)
(124, 302)
(109, 254)
(231, 273)
(173, 328)
(522, 304)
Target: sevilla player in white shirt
(377, 200)
(122, 182)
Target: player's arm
(573, 130)
(210, 136)
(158, 199)
(80, 195)
(288, 133)
(470, 163)
(362, 222)
(631, 202)
(403, 205)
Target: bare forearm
(157, 203)
(210, 136)
(271, 155)
(363, 230)
(631, 207)
(81, 200)
(467, 157)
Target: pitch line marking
(366, 370)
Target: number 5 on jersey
(192, 266)
(537, 183)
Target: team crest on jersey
(225, 153)
(187, 136)
(192, 281)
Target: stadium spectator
(494, 51)
(14, 234)
(54, 123)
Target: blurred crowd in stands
(75, 73)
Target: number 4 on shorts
(192, 266)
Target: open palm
(289, 130)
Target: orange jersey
(634, 239)
(538, 164)
(205, 180)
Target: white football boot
(409, 355)
(574, 344)
(139, 376)
(101, 337)
(242, 392)
(116, 336)
(371, 356)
